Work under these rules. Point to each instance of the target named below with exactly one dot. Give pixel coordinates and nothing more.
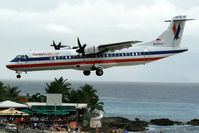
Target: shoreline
(137, 125)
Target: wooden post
(97, 129)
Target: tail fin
(173, 35)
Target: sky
(31, 25)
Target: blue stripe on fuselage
(119, 55)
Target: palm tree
(95, 104)
(59, 86)
(87, 94)
(38, 98)
(3, 92)
(12, 92)
(92, 98)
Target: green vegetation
(37, 98)
(85, 94)
(9, 93)
(59, 86)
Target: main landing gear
(87, 73)
(99, 72)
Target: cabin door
(146, 54)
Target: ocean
(143, 100)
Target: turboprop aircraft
(99, 57)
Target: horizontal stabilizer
(179, 18)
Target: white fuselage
(96, 58)
(69, 59)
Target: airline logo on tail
(176, 32)
(159, 41)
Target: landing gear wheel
(87, 73)
(99, 72)
(18, 76)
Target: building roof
(77, 105)
(10, 104)
(12, 111)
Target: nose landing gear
(18, 76)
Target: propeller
(58, 46)
(81, 48)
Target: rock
(162, 122)
(194, 122)
(123, 123)
(178, 123)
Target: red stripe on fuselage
(82, 62)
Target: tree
(91, 98)
(12, 93)
(38, 98)
(9, 93)
(59, 86)
(3, 92)
(86, 94)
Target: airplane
(99, 57)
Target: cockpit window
(22, 57)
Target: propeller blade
(79, 44)
(59, 45)
(54, 43)
(80, 48)
(84, 46)
(56, 47)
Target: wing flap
(116, 46)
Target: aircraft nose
(9, 66)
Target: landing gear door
(146, 54)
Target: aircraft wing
(116, 46)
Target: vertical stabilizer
(173, 35)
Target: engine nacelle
(92, 50)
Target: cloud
(59, 28)
(27, 26)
